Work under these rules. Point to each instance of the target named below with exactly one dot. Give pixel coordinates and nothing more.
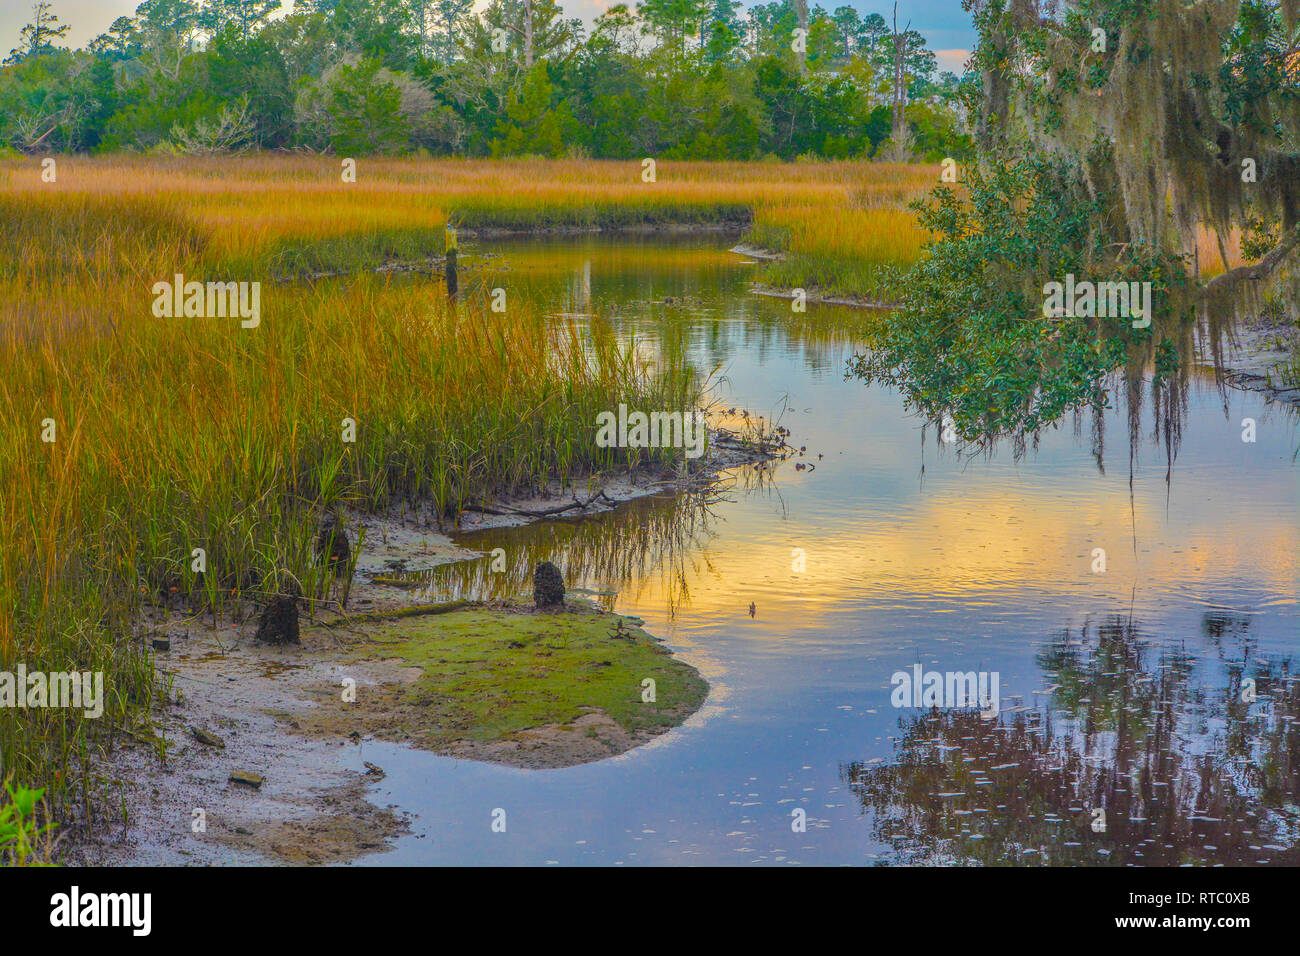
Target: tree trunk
(898, 130)
(900, 87)
(801, 12)
(528, 34)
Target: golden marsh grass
(175, 434)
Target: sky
(943, 23)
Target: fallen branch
(506, 510)
(419, 610)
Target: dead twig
(506, 510)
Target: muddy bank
(266, 755)
(236, 786)
(757, 252)
(812, 295)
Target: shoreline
(433, 264)
(763, 254)
(650, 228)
(812, 295)
(237, 707)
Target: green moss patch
(495, 683)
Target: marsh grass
(177, 434)
(841, 254)
(295, 211)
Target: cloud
(953, 61)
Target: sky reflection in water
(1119, 690)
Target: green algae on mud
(510, 685)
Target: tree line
(678, 79)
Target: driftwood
(419, 610)
(506, 510)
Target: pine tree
(38, 37)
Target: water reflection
(915, 551)
(661, 539)
(1138, 756)
(688, 296)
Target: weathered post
(449, 248)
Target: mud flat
(264, 742)
(504, 684)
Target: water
(1119, 691)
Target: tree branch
(1256, 271)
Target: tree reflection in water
(1184, 770)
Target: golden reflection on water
(974, 530)
(1150, 730)
(955, 547)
